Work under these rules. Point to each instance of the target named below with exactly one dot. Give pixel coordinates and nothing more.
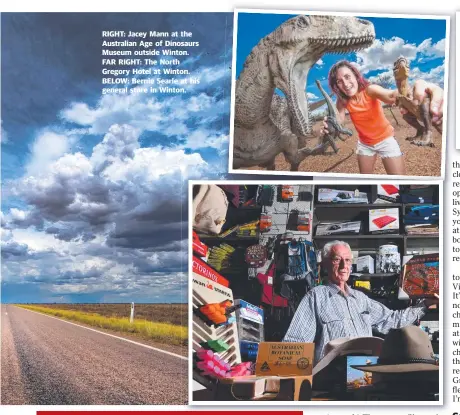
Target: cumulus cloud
(112, 221)
(385, 79)
(47, 148)
(384, 52)
(111, 218)
(13, 249)
(435, 75)
(163, 114)
(430, 50)
(17, 218)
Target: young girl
(362, 101)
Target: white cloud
(166, 115)
(38, 241)
(435, 75)
(201, 139)
(320, 62)
(46, 148)
(430, 50)
(311, 96)
(112, 218)
(386, 79)
(384, 52)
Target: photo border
(446, 18)
(443, 357)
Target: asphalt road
(45, 361)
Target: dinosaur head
(299, 43)
(401, 69)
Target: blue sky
(353, 374)
(422, 41)
(94, 188)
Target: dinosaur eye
(303, 21)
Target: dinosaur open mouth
(343, 44)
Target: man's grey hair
(328, 248)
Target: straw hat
(405, 350)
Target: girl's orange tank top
(368, 118)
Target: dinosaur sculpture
(333, 125)
(419, 114)
(282, 60)
(281, 117)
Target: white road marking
(110, 335)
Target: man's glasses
(338, 260)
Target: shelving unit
(337, 212)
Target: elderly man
(335, 310)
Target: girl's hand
(324, 130)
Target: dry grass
(176, 314)
(157, 331)
(419, 161)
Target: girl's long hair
(332, 78)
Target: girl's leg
(366, 163)
(394, 165)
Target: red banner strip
(215, 412)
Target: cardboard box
(388, 193)
(366, 264)
(341, 196)
(384, 220)
(338, 228)
(285, 359)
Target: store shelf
(245, 208)
(375, 275)
(430, 236)
(343, 236)
(359, 205)
(229, 239)
(419, 204)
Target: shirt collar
(334, 289)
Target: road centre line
(110, 335)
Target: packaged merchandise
(384, 220)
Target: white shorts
(386, 148)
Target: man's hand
(423, 89)
(431, 302)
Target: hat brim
(368, 346)
(404, 368)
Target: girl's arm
(387, 96)
(340, 110)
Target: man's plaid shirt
(326, 313)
